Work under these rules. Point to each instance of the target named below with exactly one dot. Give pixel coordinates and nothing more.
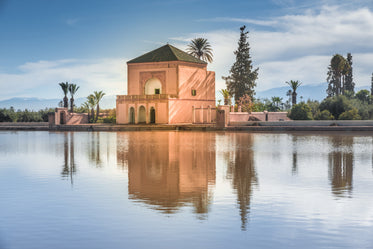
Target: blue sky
(45, 42)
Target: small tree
(338, 69)
(371, 86)
(363, 95)
(72, 89)
(226, 96)
(276, 102)
(91, 101)
(65, 89)
(98, 96)
(349, 82)
(336, 105)
(242, 77)
(201, 49)
(350, 115)
(246, 103)
(294, 84)
(324, 115)
(301, 111)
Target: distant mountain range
(36, 104)
(314, 92)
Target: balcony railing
(146, 97)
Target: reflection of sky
(287, 208)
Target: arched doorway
(153, 86)
(142, 114)
(132, 115)
(152, 115)
(62, 118)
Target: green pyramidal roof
(166, 53)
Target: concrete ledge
(306, 123)
(284, 126)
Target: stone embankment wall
(230, 118)
(63, 116)
(261, 116)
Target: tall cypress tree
(336, 75)
(242, 77)
(349, 83)
(371, 86)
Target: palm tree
(200, 48)
(72, 89)
(98, 96)
(226, 95)
(65, 89)
(91, 101)
(294, 84)
(86, 107)
(276, 101)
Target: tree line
(341, 101)
(12, 115)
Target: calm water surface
(185, 190)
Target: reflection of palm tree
(65, 170)
(69, 167)
(94, 149)
(242, 171)
(294, 169)
(341, 166)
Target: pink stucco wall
(244, 116)
(68, 117)
(175, 103)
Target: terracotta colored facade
(167, 92)
(63, 116)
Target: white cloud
(108, 74)
(241, 20)
(298, 46)
(288, 47)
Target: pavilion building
(167, 86)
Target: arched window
(152, 115)
(142, 114)
(131, 115)
(153, 86)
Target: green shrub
(110, 120)
(301, 111)
(350, 115)
(336, 105)
(324, 115)
(363, 95)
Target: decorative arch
(152, 115)
(153, 86)
(131, 115)
(142, 115)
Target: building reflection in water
(69, 166)
(241, 171)
(341, 166)
(167, 170)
